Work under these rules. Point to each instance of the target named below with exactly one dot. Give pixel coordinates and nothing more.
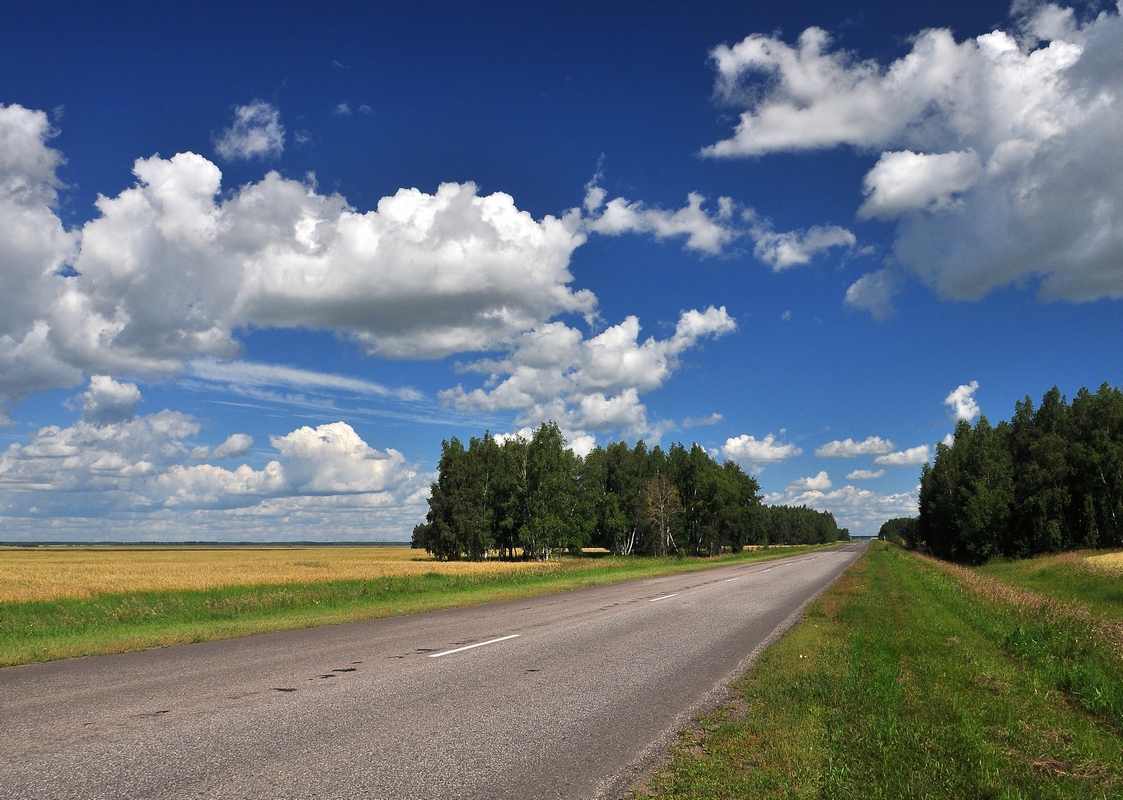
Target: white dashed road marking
(470, 646)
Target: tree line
(1048, 480)
(530, 498)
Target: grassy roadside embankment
(1093, 580)
(69, 602)
(913, 679)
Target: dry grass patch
(1109, 561)
(72, 573)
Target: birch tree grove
(1050, 479)
(532, 499)
(661, 507)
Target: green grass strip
(45, 631)
(1065, 577)
(899, 682)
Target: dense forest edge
(1048, 480)
(514, 498)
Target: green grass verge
(902, 682)
(45, 631)
(1064, 578)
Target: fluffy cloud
(330, 460)
(235, 446)
(168, 271)
(172, 267)
(746, 449)
(33, 244)
(848, 448)
(860, 510)
(1001, 156)
(553, 372)
(704, 231)
(137, 466)
(712, 232)
(987, 89)
(106, 401)
(912, 457)
(88, 467)
(162, 280)
(908, 181)
(33, 248)
(794, 248)
(864, 474)
(817, 483)
(257, 132)
(874, 292)
(962, 401)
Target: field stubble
(75, 573)
(64, 602)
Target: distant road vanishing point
(569, 695)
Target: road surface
(570, 695)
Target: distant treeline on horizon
(531, 498)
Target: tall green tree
(902, 531)
(730, 502)
(458, 523)
(551, 488)
(662, 508)
(1097, 469)
(985, 494)
(690, 470)
(1050, 479)
(613, 478)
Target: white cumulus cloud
(256, 132)
(864, 474)
(1001, 156)
(908, 181)
(171, 270)
(168, 270)
(781, 250)
(88, 466)
(34, 246)
(861, 510)
(585, 385)
(107, 401)
(141, 466)
(235, 446)
(914, 456)
(817, 483)
(848, 448)
(753, 452)
(962, 402)
(706, 231)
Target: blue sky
(256, 263)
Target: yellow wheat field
(1108, 560)
(50, 573)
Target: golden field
(1108, 560)
(51, 573)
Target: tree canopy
(531, 498)
(1050, 479)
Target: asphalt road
(570, 695)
